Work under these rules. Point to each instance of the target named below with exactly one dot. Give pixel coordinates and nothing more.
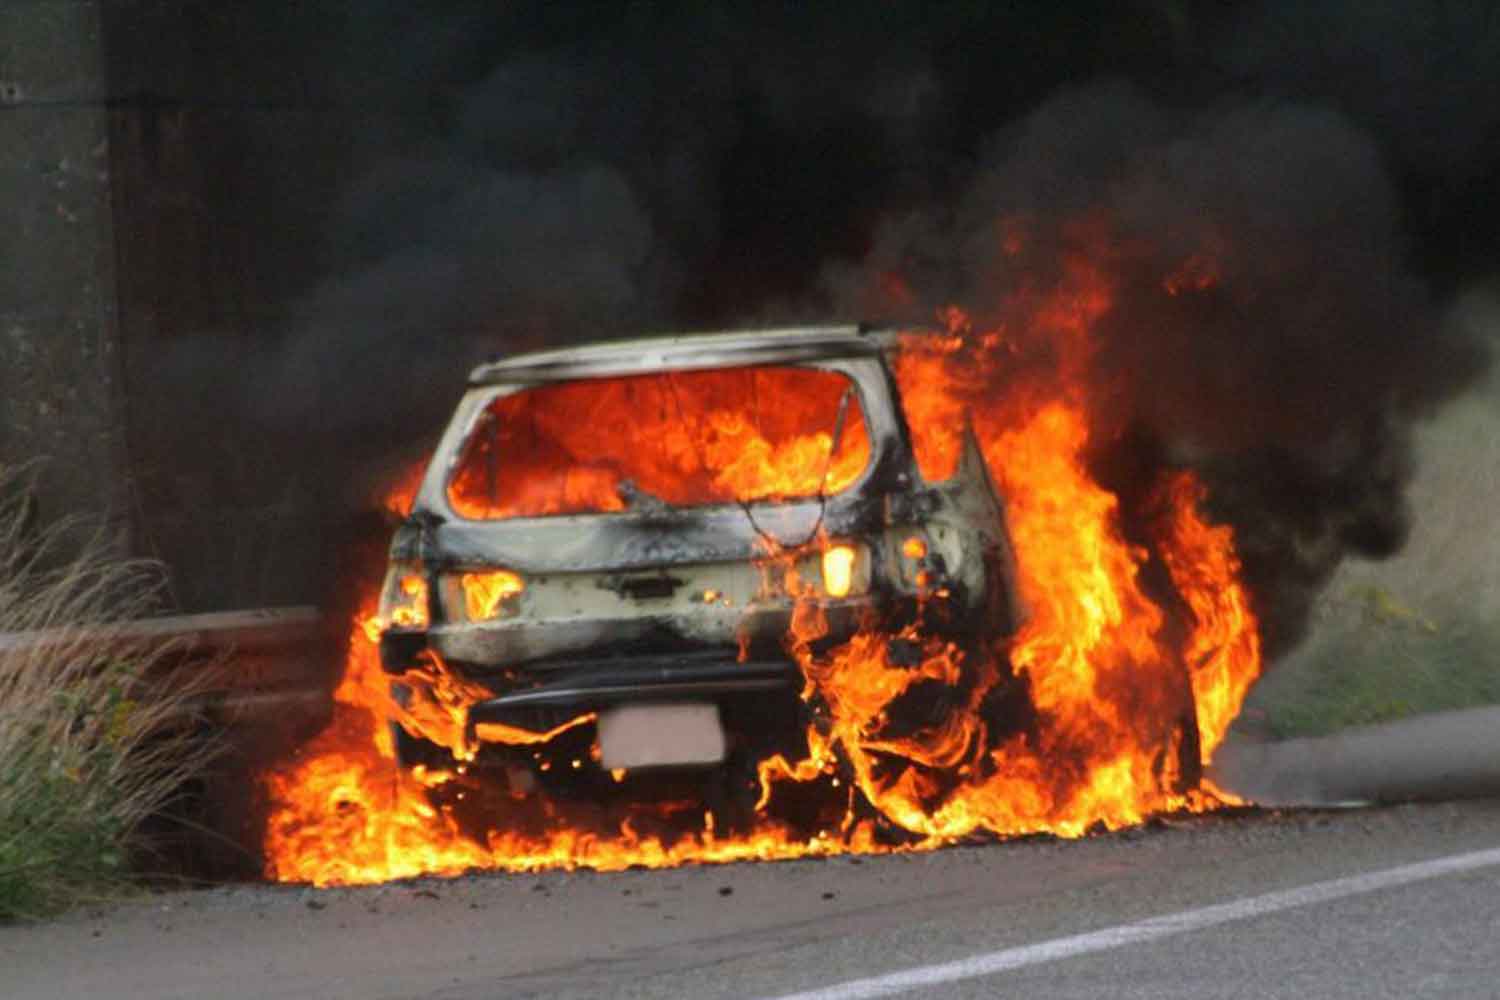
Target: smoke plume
(1279, 214)
(1264, 322)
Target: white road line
(1148, 930)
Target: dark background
(310, 218)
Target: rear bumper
(543, 674)
(585, 685)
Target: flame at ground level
(1109, 740)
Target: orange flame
(1119, 711)
(1223, 652)
(682, 438)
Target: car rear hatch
(599, 536)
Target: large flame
(679, 437)
(1104, 666)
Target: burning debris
(1096, 711)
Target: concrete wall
(227, 151)
(168, 169)
(61, 392)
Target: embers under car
(628, 531)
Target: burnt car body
(671, 605)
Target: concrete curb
(1445, 755)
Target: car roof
(687, 351)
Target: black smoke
(528, 175)
(1265, 325)
(519, 175)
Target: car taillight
(490, 594)
(838, 570)
(403, 599)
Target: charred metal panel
(795, 345)
(531, 643)
(626, 541)
(969, 528)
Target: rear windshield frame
(487, 395)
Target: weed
(96, 734)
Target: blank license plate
(660, 735)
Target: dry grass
(93, 737)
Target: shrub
(95, 735)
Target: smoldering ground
(538, 177)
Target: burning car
(625, 534)
(752, 596)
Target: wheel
(413, 751)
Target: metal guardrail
(267, 666)
(262, 684)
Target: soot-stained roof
(687, 351)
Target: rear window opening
(679, 439)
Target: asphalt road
(1212, 907)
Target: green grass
(1374, 659)
(93, 736)
(1419, 632)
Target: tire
(413, 751)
